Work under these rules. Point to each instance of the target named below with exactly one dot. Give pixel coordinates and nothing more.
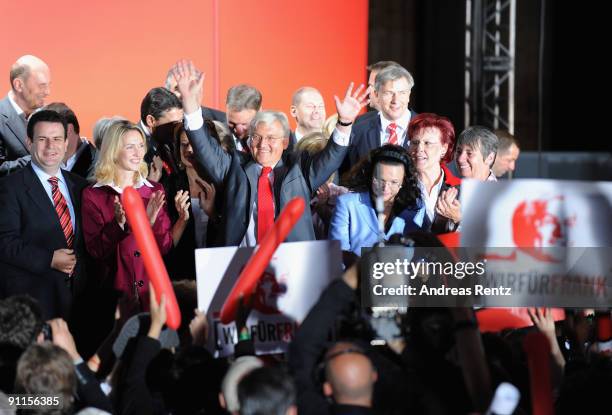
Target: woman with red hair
(432, 138)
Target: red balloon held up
(253, 270)
(154, 265)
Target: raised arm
(207, 150)
(329, 160)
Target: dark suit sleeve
(215, 161)
(325, 163)
(136, 397)
(10, 166)
(89, 393)
(13, 249)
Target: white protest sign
(556, 233)
(292, 283)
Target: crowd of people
(80, 320)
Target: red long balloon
(158, 275)
(538, 359)
(261, 257)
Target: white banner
(292, 283)
(556, 236)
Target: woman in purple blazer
(107, 234)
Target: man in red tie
(392, 89)
(259, 184)
(40, 243)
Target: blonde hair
(312, 143)
(112, 142)
(329, 125)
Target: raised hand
(353, 102)
(158, 313)
(155, 172)
(448, 205)
(154, 206)
(181, 203)
(207, 196)
(119, 212)
(190, 83)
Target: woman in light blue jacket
(389, 176)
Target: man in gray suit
(30, 79)
(259, 184)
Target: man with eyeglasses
(308, 109)
(392, 89)
(258, 185)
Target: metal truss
(490, 38)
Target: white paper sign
(557, 236)
(292, 283)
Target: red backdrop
(105, 56)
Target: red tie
(392, 131)
(265, 204)
(63, 213)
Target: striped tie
(61, 207)
(392, 131)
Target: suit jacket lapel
(14, 122)
(280, 175)
(368, 211)
(252, 173)
(373, 134)
(37, 193)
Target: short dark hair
(156, 102)
(266, 390)
(46, 116)
(359, 178)
(20, 321)
(65, 111)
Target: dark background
(428, 38)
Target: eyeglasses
(427, 144)
(256, 138)
(380, 183)
(391, 94)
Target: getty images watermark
(398, 276)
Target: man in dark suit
(40, 228)
(258, 185)
(373, 107)
(81, 154)
(30, 78)
(392, 93)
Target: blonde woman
(107, 235)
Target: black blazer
(86, 162)
(365, 137)
(14, 153)
(237, 173)
(29, 233)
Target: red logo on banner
(535, 226)
(266, 294)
